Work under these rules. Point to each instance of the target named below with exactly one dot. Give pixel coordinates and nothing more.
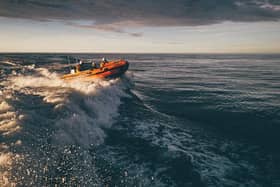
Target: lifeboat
(110, 69)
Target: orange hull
(111, 69)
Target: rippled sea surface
(171, 120)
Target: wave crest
(86, 107)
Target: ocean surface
(171, 120)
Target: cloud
(113, 27)
(118, 15)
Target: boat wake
(40, 111)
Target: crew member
(79, 66)
(103, 62)
(93, 64)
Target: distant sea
(171, 120)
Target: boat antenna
(68, 61)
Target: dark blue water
(171, 120)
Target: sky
(140, 26)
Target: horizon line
(190, 53)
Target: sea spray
(51, 115)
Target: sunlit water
(171, 120)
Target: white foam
(4, 106)
(8, 119)
(91, 105)
(8, 63)
(5, 162)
